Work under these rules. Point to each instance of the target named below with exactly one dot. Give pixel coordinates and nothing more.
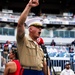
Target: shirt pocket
(31, 50)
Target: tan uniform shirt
(30, 54)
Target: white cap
(36, 21)
(67, 63)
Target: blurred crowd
(5, 49)
(70, 47)
(52, 49)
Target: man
(31, 56)
(67, 70)
(73, 43)
(53, 43)
(13, 66)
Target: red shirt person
(13, 66)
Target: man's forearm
(24, 15)
(46, 68)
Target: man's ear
(30, 29)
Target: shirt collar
(30, 39)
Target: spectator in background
(5, 51)
(53, 43)
(13, 66)
(9, 44)
(71, 50)
(14, 45)
(73, 43)
(3, 60)
(67, 70)
(45, 20)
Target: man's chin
(38, 36)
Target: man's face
(6, 48)
(35, 31)
(67, 66)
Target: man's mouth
(39, 32)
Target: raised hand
(33, 3)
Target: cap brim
(39, 26)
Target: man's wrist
(29, 6)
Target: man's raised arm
(23, 16)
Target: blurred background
(58, 17)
